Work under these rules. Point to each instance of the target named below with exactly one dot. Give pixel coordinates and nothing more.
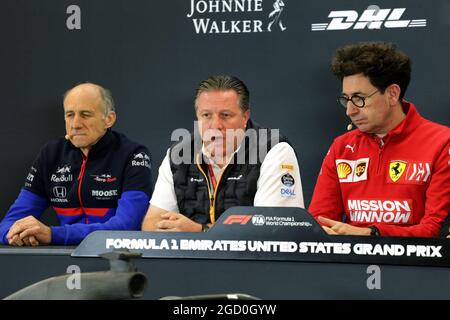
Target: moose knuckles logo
(204, 13)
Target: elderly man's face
(85, 120)
(221, 121)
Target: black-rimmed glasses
(356, 99)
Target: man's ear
(110, 119)
(247, 116)
(393, 92)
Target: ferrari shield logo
(396, 169)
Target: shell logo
(343, 170)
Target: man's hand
(340, 228)
(29, 232)
(173, 221)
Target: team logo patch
(344, 170)
(396, 169)
(360, 168)
(389, 211)
(287, 180)
(418, 172)
(408, 172)
(62, 174)
(60, 193)
(104, 178)
(286, 166)
(63, 169)
(287, 193)
(352, 170)
(141, 159)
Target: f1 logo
(235, 218)
(60, 192)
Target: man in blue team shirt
(94, 178)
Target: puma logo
(350, 147)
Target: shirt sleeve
(437, 205)
(26, 204)
(164, 196)
(445, 230)
(138, 177)
(279, 183)
(34, 181)
(32, 199)
(327, 199)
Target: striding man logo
(274, 16)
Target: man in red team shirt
(391, 175)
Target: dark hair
(381, 62)
(222, 83)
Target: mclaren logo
(372, 18)
(396, 169)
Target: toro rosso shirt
(109, 189)
(400, 184)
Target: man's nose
(351, 109)
(76, 122)
(216, 122)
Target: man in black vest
(234, 162)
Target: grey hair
(106, 95)
(108, 101)
(222, 83)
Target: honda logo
(60, 192)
